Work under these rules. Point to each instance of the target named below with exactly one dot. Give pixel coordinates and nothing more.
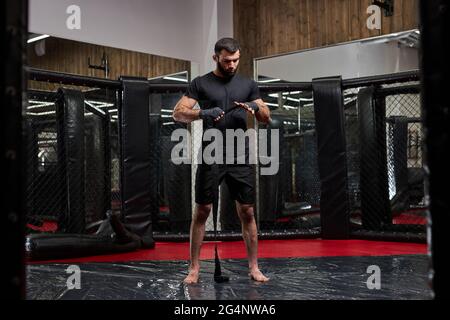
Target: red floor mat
(266, 249)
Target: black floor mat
(335, 278)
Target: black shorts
(240, 180)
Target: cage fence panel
(384, 155)
(171, 170)
(385, 158)
(290, 199)
(67, 192)
(353, 145)
(286, 200)
(43, 190)
(405, 165)
(98, 164)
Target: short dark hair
(229, 44)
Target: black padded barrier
(270, 187)
(155, 158)
(435, 76)
(375, 203)
(70, 114)
(98, 163)
(107, 185)
(295, 205)
(86, 225)
(135, 160)
(14, 25)
(329, 115)
(398, 128)
(111, 237)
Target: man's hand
(251, 107)
(215, 113)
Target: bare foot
(258, 276)
(192, 277)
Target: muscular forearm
(263, 115)
(185, 115)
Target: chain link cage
(385, 157)
(289, 200)
(96, 187)
(173, 212)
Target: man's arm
(184, 110)
(258, 108)
(263, 115)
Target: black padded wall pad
(71, 156)
(435, 76)
(374, 183)
(135, 160)
(332, 157)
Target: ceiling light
(100, 104)
(39, 104)
(34, 39)
(175, 79)
(94, 107)
(269, 80)
(41, 113)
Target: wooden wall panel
(72, 57)
(410, 14)
(282, 26)
(305, 23)
(245, 24)
(354, 23)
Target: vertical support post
(71, 156)
(332, 157)
(374, 182)
(14, 17)
(435, 75)
(135, 158)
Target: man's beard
(224, 72)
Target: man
(225, 98)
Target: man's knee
(246, 212)
(202, 212)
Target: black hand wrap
(210, 113)
(253, 105)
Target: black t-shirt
(212, 91)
